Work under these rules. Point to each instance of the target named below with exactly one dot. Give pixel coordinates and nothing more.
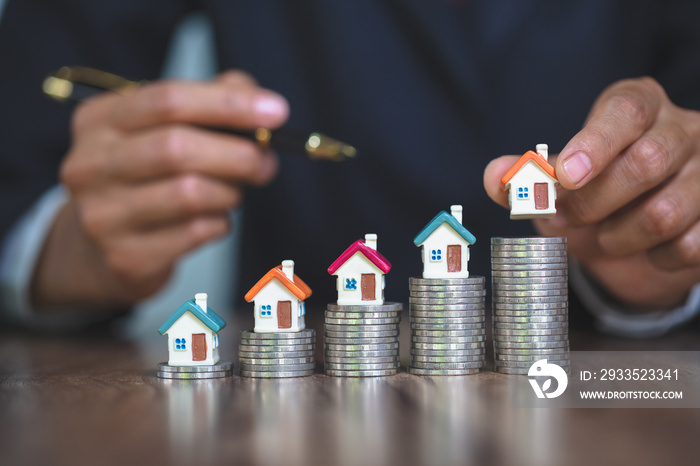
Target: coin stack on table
(530, 303)
(214, 371)
(447, 318)
(277, 355)
(362, 340)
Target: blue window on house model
(180, 344)
(266, 310)
(302, 308)
(436, 255)
(216, 341)
(523, 193)
(350, 284)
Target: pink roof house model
(360, 271)
(279, 300)
(531, 185)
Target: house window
(350, 284)
(436, 255)
(180, 344)
(266, 310)
(216, 341)
(523, 193)
(302, 308)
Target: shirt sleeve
(616, 319)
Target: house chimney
(543, 151)
(200, 299)
(371, 241)
(456, 211)
(288, 269)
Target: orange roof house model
(531, 184)
(279, 300)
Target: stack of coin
(362, 340)
(447, 318)
(277, 355)
(530, 303)
(214, 371)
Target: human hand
(148, 184)
(630, 203)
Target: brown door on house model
(284, 314)
(368, 286)
(541, 196)
(454, 258)
(199, 347)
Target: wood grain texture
(94, 399)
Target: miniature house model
(193, 338)
(360, 271)
(531, 185)
(279, 300)
(445, 244)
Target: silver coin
(193, 375)
(497, 324)
(473, 280)
(276, 374)
(386, 307)
(275, 355)
(360, 341)
(451, 326)
(447, 294)
(365, 373)
(362, 315)
(222, 366)
(361, 328)
(447, 288)
(445, 320)
(533, 341)
(276, 361)
(535, 300)
(498, 274)
(533, 345)
(442, 346)
(542, 267)
(465, 309)
(531, 358)
(440, 372)
(277, 368)
(447, 365)
(375, 360)
(447, 359)
(362, 347)
(528, 240)
(506, 286)
(354, 334)
(386, 321)
(361, 354)
(448, 316)
(298, 341)
(275, 348)
(535, 310)
(446, 301)
(530, 351)
(529, 332)
(530, 293)
(306, 333)
(526, 281)
(435, 324)
(503, 248)
(530, 262)
(361, 366)
(445, 333)
(463, 351)
(526, 365)
(559, 251)
(535, 320)
(415, 339)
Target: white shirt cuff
(620, 321)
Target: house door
(199, 347)
(369, 287)
(284, 314)
(541, 196)
(454, 258)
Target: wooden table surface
(94, 399)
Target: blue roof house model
(445, 245)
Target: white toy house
(360, 271)
(193, 334)
(279, 300)
(531, 185)
(445, 244)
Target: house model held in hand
(360, 271)
(193, 334)
(279, 300)
(445, 244)
(531, 185)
